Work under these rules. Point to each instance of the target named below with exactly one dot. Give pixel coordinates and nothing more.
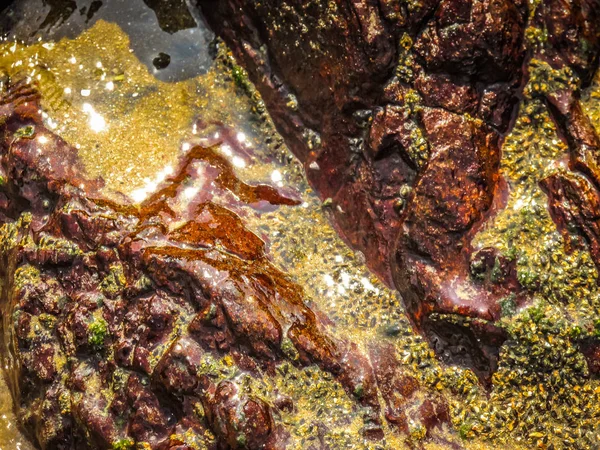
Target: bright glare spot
(51, 123)
(85, 92)
(185, 147)
(367, 284)
(328, 280)
(43, 140)
(345, 279)
(276, 176)
(238, 162)
(226, 149)
(110, 86)
(518, 204)
(168, 170)
(68, 91)
(139, 195)
(72, 60)
(190, 192)
(241, 137)
(97, 122)
(99, 65)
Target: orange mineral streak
(226, 179)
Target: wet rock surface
(110, 309)
(398, 112)
(151, 354)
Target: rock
(442, 80)
(113, 311)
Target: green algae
(114, 282)
(97, 332)
(123, 444)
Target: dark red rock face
(398, 111)
(109, 308)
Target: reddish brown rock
(398, 113)
(111, 308)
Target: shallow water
(103, 93)
(167, 28)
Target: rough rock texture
(398, 110)
(109, 309)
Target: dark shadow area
(172, 15)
